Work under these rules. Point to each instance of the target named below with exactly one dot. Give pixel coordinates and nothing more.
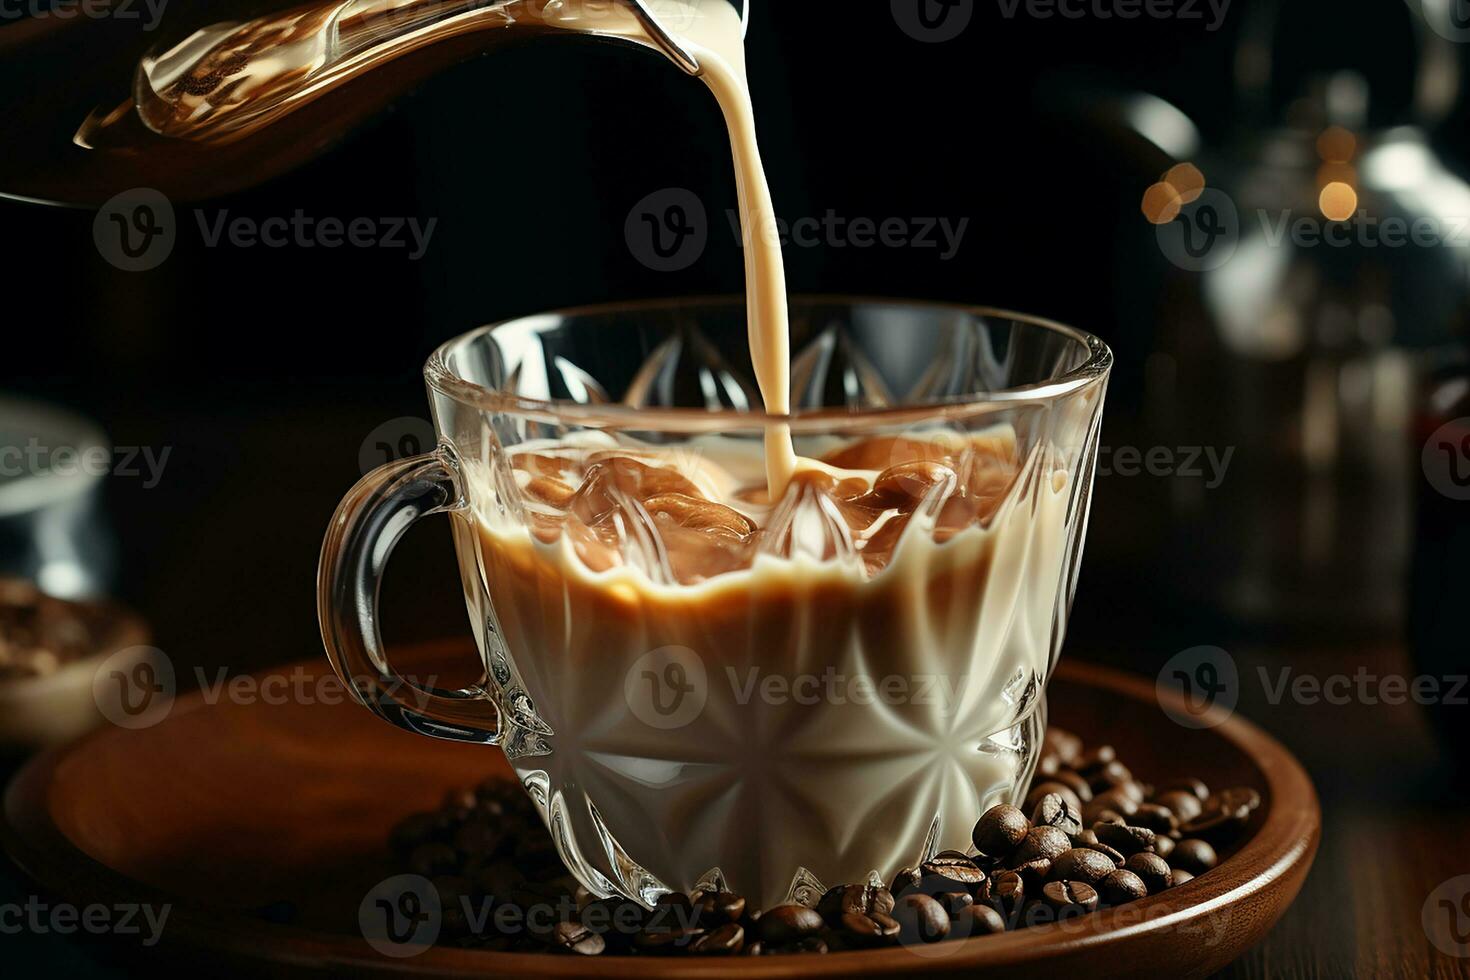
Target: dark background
(264, 369)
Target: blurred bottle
(1313, 258)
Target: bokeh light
(1187, 179)
(1338, 201)
(1161, 203)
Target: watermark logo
(135, 230)
(933, 21)
(1203, 232)
(401, 916)
(1199, 687)
(668, 230)
(394, 440)
(1446, 917)
(135, 687)
(1446, 459)
(1450, 19)
(667, 688)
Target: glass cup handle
(368, 523)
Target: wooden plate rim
(1283, 847)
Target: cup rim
(1091, 372)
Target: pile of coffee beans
(1088, 836)
(39, 634)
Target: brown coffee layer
(603, 500)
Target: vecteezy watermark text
(41, 918)
(137, 229)
(1211, 12)
(834, 231)
(136, 688)
(1189, 462)
(36, 458)
(304, 231)
(1200, 687)
(669, 230)
(147, 12)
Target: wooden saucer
(224, 809)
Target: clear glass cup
(803, 713)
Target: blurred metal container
(52, 530)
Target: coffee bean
(1190, 785)
(1193, 855)
(478, 837)
(1164, 846)
(672, 910)
(1184, 805)
(753, 949)
(433, 859)
(861, 899)
(951, 871)
(1120, 886)
(498, 880)
(952, 902)
(1069, 897)
(1159, 819)
(573, 937)
(1234, 798)
(1090, 841)
(1152, 869)
(1073, 781)
(1108, 776)
(811, 944)
(868, 928)
(1114, 799)
(724, 941)
(412, 831)
(920, 920)
(1034, 874)
(1125, 839)
(1040, 843)
(788, 924)
(448, 821)
(714, 908)
(616, 919)
(1094, 759)
(1007, 891)
(905, 881)
(1054, 810)
(1041, 791)
(1218, 825)
(999, 831)
(1081, 864)
(976, 920)
(1063, 744)
(1178, 877)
